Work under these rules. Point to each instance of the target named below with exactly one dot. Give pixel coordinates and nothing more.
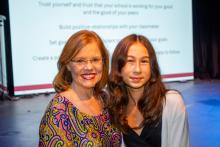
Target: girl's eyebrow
(134, 56)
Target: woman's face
(136, 71)
(86, 67)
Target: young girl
(146, 112)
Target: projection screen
(40, 28)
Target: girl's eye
(130, 60)
(144, 61)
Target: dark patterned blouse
(64, 125)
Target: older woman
(77, 115)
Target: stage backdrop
(40, 28)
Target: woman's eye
(94, 60)
(80, 61)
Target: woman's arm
(55, 128)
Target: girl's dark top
(149, 137)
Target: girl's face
(86, 67)
(136, 72)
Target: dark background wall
(206, 40)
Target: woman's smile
(88, 76)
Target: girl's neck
(135, 95)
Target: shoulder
(174, 97)
(56, 110)
(59, 100)
(55, 126)
(57, 103)
(174, 103)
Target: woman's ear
(68, 67)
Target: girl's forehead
(137, 50)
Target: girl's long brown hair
(151, 103)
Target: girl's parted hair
(151, 103)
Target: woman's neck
(83, 93)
